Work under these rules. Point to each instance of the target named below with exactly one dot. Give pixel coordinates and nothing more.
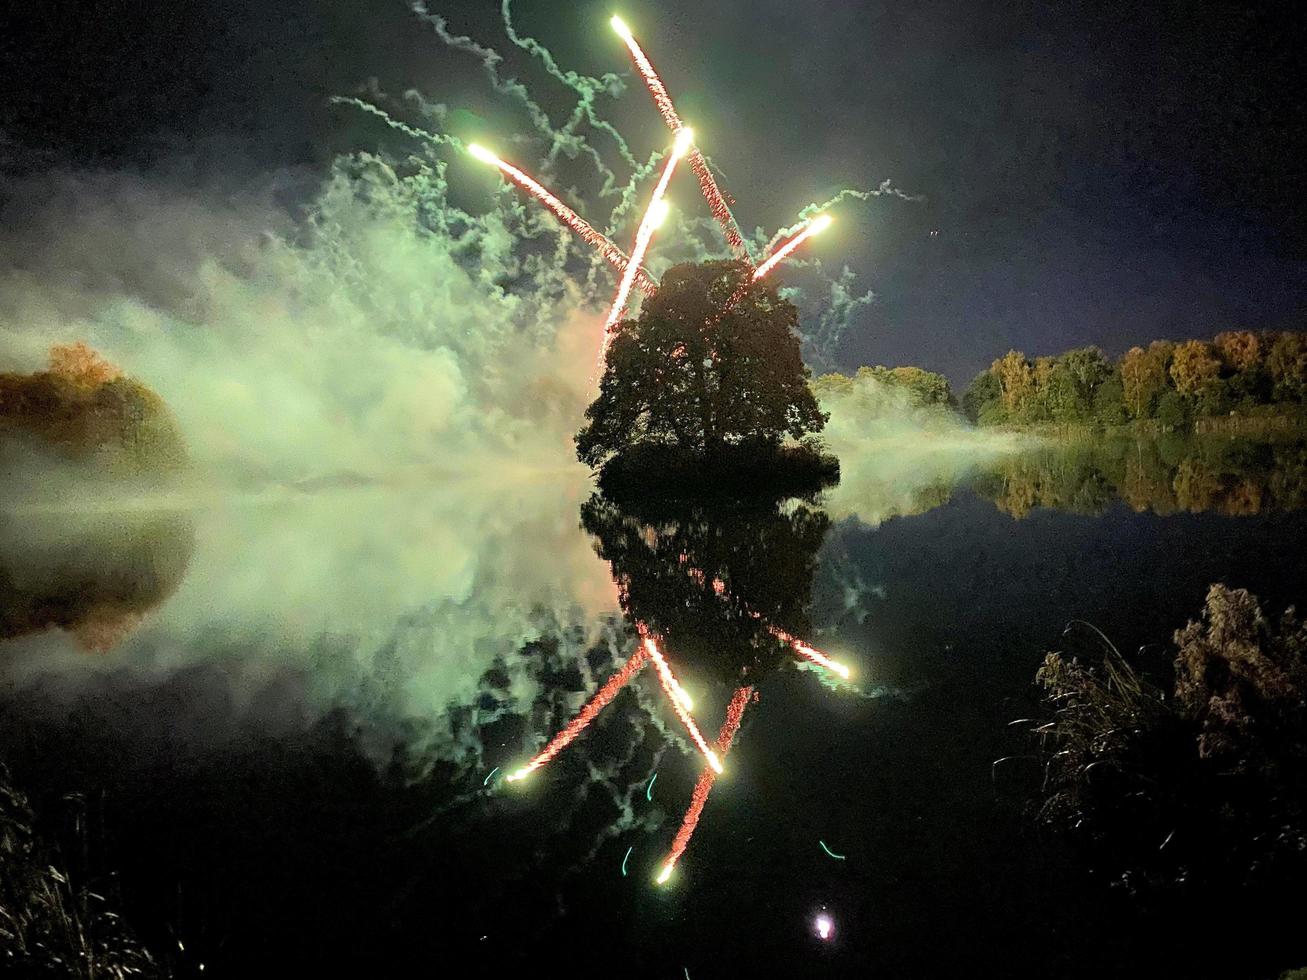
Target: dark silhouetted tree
(686, 375)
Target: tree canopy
(689, 373)
(1172, 383)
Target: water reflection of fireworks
(634, 276)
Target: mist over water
(378, 391)
(898, 457)
(378, 397)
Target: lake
(276, 723)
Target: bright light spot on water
(825, 926)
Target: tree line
(1238, 371)
(919, 386)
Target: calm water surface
(281, 716)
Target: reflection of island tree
(95, 579)
(1233, 477)
(711, 578)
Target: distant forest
(1173, 383)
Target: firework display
(654, 215)
(586, 715)
(704, 785)
(632, 273)
(600, 243)
(712, 194)
(633, 276)
(814, 227)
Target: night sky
(1093, 173)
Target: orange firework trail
(809, 653)
(814, 227)
(587, 233)
(704, 785)
(587, 714)
(716, 203)
(653, 217)
(676, 694)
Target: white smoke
(378, 398)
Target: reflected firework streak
(704, 785)
(676, 695)
(586, 715)
(810, 654)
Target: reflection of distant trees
(1163, 475)
(710, 578)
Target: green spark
(488, 775)
(627, 858)
(837, 857)
(648, 790)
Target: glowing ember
(613, 255)
(825, 926)
(586, 715)
(704, 785)
(716, 203)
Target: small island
(707, 389)
(84, 411)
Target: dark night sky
(1097, 173)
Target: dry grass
(51, 926)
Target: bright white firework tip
(482, 154)
(620, 27)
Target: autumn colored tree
(925, 387)
(1087, 368)
(1016, 379)
(81, 365)
(1287, 364)
(1144, 376)
(1050, 396)
(1239, 350)
(691, 375)
(1194, 367)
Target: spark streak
(613, 255)
(814, 227)
(809, 653)
(734, 712)
(671, 685)
(837, 857)
(716, 202)
(653, 217)
(587, 714)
